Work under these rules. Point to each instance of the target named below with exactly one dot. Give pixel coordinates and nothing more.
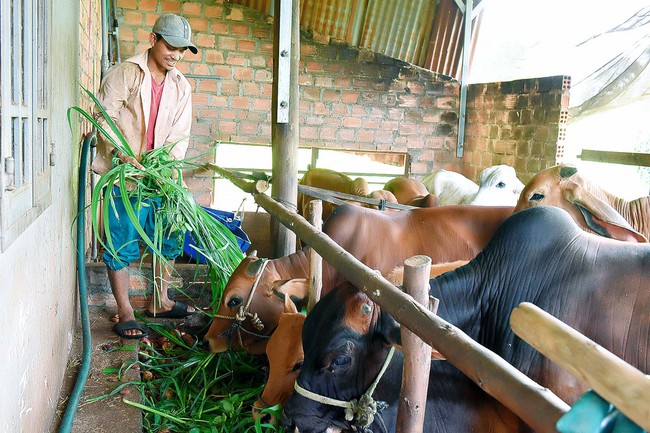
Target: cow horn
(254, 267)
(567, 171)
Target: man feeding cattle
(596, 285)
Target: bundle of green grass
(162, 177)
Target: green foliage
(178, 212)
(186, 389)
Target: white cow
(498, 186)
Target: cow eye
(537, 197)
(297, 366)
(341, 361)
(501, 185)
(234, 302)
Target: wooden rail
(535, 405)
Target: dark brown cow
(596, 285)
(332, 181)
(588, 204)
(381, 240)
(411, 192)
(284, 350)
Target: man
(150, 101)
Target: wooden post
(609, 376)
(285, 121)
(417, 354)
(315, 260)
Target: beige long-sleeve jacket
(125, 94)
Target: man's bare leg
(120, 287)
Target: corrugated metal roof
(426, 33)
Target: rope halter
(362, 410)
(243, 312)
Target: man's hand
(129, 160)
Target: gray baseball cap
(175, 30)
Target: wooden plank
(609, 376)
(417, 354)
(625, 158)
(315, 260)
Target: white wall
(38, 283)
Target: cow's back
(383, 240)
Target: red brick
(214, 11)
(327, 133)
(207, 113)
(213, 56)
(264, 76)
(208, 86)
(223, 71)
(262, 104)
(127, 4)
(191, 9)
(343, 83)
(201, 69)
(308, 132)
(262, 32)
(235, 59)
(203, 40)
(340, 110)
(349, 97)
(150, 20)
(219, 28)
(347, 134)
(242, 74)
(199, 99)
(227, 127)
(311, 93)
(171, 6)
(331, 95)
(246, 46)
(352, 122)
(312, 66)
(133, 18)
(257, 61)
(230, 87)
(143, 35)
(388, 125)
(366, 135)
(251, 89)
(148, 5)
(198, 24)
(218, 101)
(236, 14)
(240, 102)
(248, 128)
(241, 29)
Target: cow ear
(390, 329)
(600, 216)
(296, 288)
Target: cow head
(562, 186)
(285, 355)
(498, 186)
(248, 312)
(346, 341)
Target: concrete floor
(109, 415)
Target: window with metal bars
(24, 115)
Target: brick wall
(90, 49)
(518, 123)
(349, 98)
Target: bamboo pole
(535, 405)
(624, 386)
(417, 354)
(315, 260)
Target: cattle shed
(378, 79)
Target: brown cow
(332, 181)
(284, 349)
(588, 204)
(381, 240)
(411, 192)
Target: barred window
(24, 115)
